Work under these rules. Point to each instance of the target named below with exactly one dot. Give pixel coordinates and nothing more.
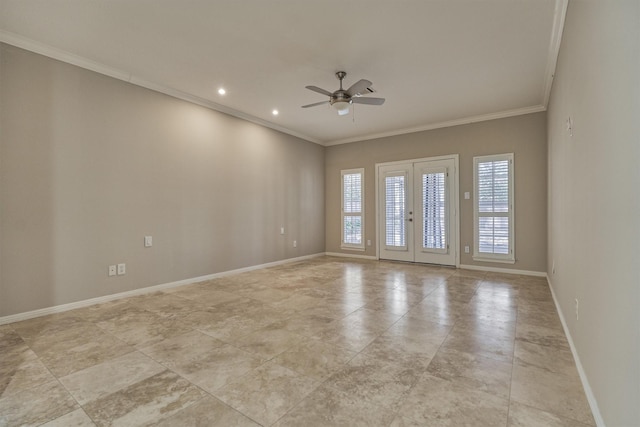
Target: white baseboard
(92, 301)
(344, 255)
(504, 270)
(593, 403)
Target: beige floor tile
(229, 329)
(203, 360)
(266, 393)
(36, 405)
(368, 319)
(145, 402)
(386, 304)
(532, 316)
(490, 310)
(208, 412)
(329, 407)
(143, 328)
(40, 328)
(491, 326)
(21, 369)
(10, 340)
(181, 347)
(315, 359)
(466, 340)
(77, 418)
(438, 309)
(170, 305)
(473, 371)
(552, 359)
(541, 335)
(526, 416)
(353, 337)
(438, 402)
(432, 345)
(476, 274)
(333, 309)
(299, 302)
(376, 381)
(269, 342)
(559, 394)
(412, 351)
(417, 328)
(267, 295)
(108, 377)
(72, 353)
(536, 306)
(307, 325)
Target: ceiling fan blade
(319, 90)
(315, 104)
(365, 100)
(359, 87)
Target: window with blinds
(395, 203)
(352, 209)
(433, 211)
(493, 208)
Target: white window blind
(352, 208)
(433, 211)
(493, 209)
(395, 203)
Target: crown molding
(69, 58)
(449, 123)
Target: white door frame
(455, 197)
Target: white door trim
(455, 196)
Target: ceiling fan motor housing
(340, 96)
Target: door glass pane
(395, 199)
(433, 211)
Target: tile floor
(324, 342)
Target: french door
(417, 215)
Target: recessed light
(275, 112)
(221, 91)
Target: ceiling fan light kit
(342, 99)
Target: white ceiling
(437, 62)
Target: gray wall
(89, 165)
(525, 136)
(594, 200)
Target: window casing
(352, 209)
(493, 208)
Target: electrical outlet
(295, 243)
(112, 270)
(368, 242)
(577, 311)
(122, 269)
(148, 241)
(467, 249)
(281, 230)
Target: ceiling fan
(342, 99)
